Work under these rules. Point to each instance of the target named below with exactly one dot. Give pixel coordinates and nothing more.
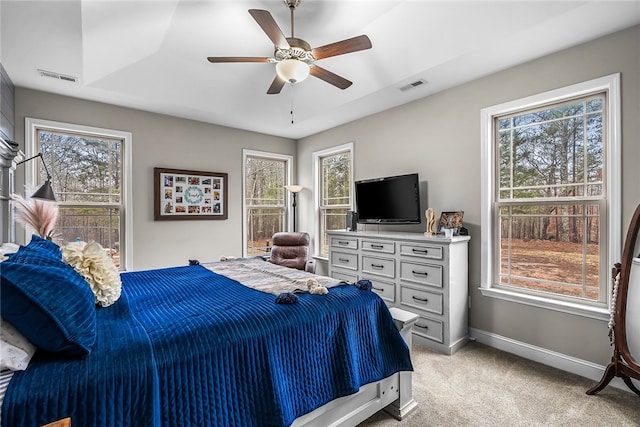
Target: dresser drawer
(430, 329)
(344, 260)
(426, 274)
(422, 251)
(345, 277)
(344, 242)
(379, 246)
(421, 300)
(381, 266)
(386, 290)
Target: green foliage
(87, 180)
(550, 157)
(264, 197)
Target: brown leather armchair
(292, 250)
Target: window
(265, 202)
(90, 171)
(334, 173)
(551, 197)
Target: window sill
(320, 258)
(597, 313)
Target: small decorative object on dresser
(430, 214)
(451, 219)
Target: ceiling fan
(294, 57)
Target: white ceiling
(151, 55)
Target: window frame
(288, 159)
(32, 125)
(612, 200)
(317, 157)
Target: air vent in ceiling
(413, 85)
(57, 76)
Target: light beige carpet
(482, 386)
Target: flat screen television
(389, 200)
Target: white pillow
(15, 350)
(6, 249)
(97, 268)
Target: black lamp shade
(45, 192)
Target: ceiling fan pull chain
(292, 89)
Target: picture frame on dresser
(451, 220)
(181, 194)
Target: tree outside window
(551, 166)
(265, 176)
(334, 168)
(550, 201)
(87, 179)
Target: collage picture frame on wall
(186, 194)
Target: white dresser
(425, 275)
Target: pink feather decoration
(38, 214)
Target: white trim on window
(317, 170)
(288, 181)
(31, 149)
(610, 84)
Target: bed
(193, 346)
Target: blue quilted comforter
(187, 347)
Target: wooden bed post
(405, 404)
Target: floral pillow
(15, 350)
(97, 268)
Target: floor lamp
(294, 189)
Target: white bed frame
(393, 394)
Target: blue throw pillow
(38, 252)
(47, 301)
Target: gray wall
(169, 142)
(439, 137)
(7, 91)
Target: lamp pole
(294, 189)
(294, 211)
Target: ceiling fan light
(292, 70)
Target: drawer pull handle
(420, 273)
(377, 266)
(342, 242)
(379, 289)
(420, 299)
(422, 326)
(377, 246)
(420, 251)
(343, 259)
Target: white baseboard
(584, 368)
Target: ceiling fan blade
(339, 48)
(216, 59)
(329, 77)
(270, 27)
(276, 86)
